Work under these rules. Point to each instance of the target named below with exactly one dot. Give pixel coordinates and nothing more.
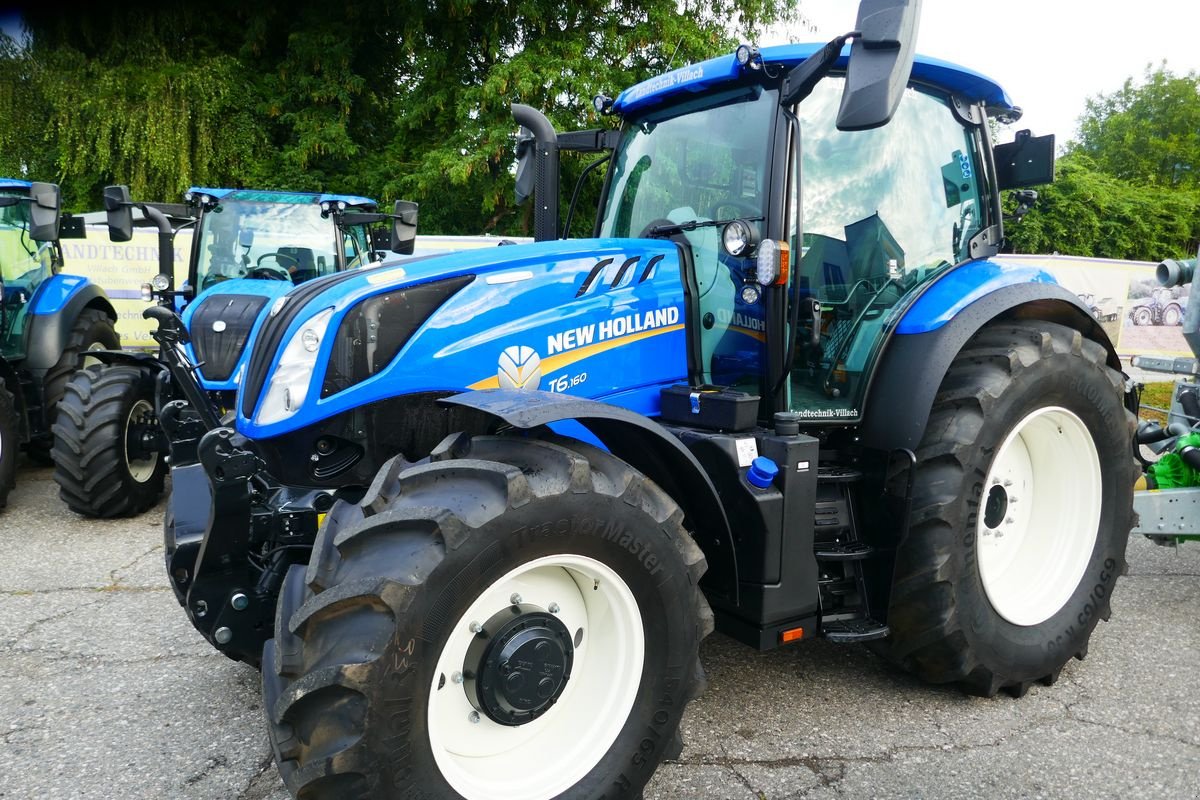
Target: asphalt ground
(107, 692)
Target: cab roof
(9, 184)
(292, 198)
(725, 69)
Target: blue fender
(54, 308)
(939, 322)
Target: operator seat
(306, 268)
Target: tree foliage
(390, 100)
(1129, 184)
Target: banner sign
(1140, 317)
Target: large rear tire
(9, 443)
(1021, 512)
(100, 466)
(93, 330)
(518, 619)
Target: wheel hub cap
(518, 664)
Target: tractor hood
(551, 315)
(220, 324)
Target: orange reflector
(792, 635)
(784, 263)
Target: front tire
(9, 443)
(93, 330)
(518, 619)
(101, 465)
(1022, 508)
(1172, 315)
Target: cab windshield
(288, 241)
(24, 263)
(703, 160)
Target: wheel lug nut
(475, 627)
(457, 677)
(1007, 482)
(515, 599)
(1009, 521)
(473, 716)
(554, 609)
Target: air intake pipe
(537, 169)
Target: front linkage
(229, 583)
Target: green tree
(1148, 134)
(1129, 184)
(468, 61)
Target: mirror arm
(804, 77)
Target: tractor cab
(29, 254)
(810, 238)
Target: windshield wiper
(692, 224)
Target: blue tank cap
(762, 472)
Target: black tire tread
(933, 644)
(308, 669)
(10, 444)
(88, 453)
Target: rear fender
(54, 309)
(912, 365)
(644, 445)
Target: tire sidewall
(1030, 652)
(598, 526)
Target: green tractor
(48, 321)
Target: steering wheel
(279, 271)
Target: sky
(1049, 55)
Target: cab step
(852, 631)
(850, 551)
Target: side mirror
(246, 238)
(881, 60)
(120, 213)
(404, 227)
(44, 211)
(1027, 160)
(525, 167)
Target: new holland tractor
(473, 515)
(249, 250)
(47, 320)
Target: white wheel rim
(140, 469)
(541, 759)
(1040, 517)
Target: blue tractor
(249, 250)
(474, 514)
(47, 321)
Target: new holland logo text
(520, 368)
(611, 329)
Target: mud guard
(912, 365)
(643, 444)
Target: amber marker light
(791, 635)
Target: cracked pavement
(106, 691)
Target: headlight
(291, 377)
(160, 282)
(738, 238)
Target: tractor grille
(220, 326)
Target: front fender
(935, 328)
(643, 444)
